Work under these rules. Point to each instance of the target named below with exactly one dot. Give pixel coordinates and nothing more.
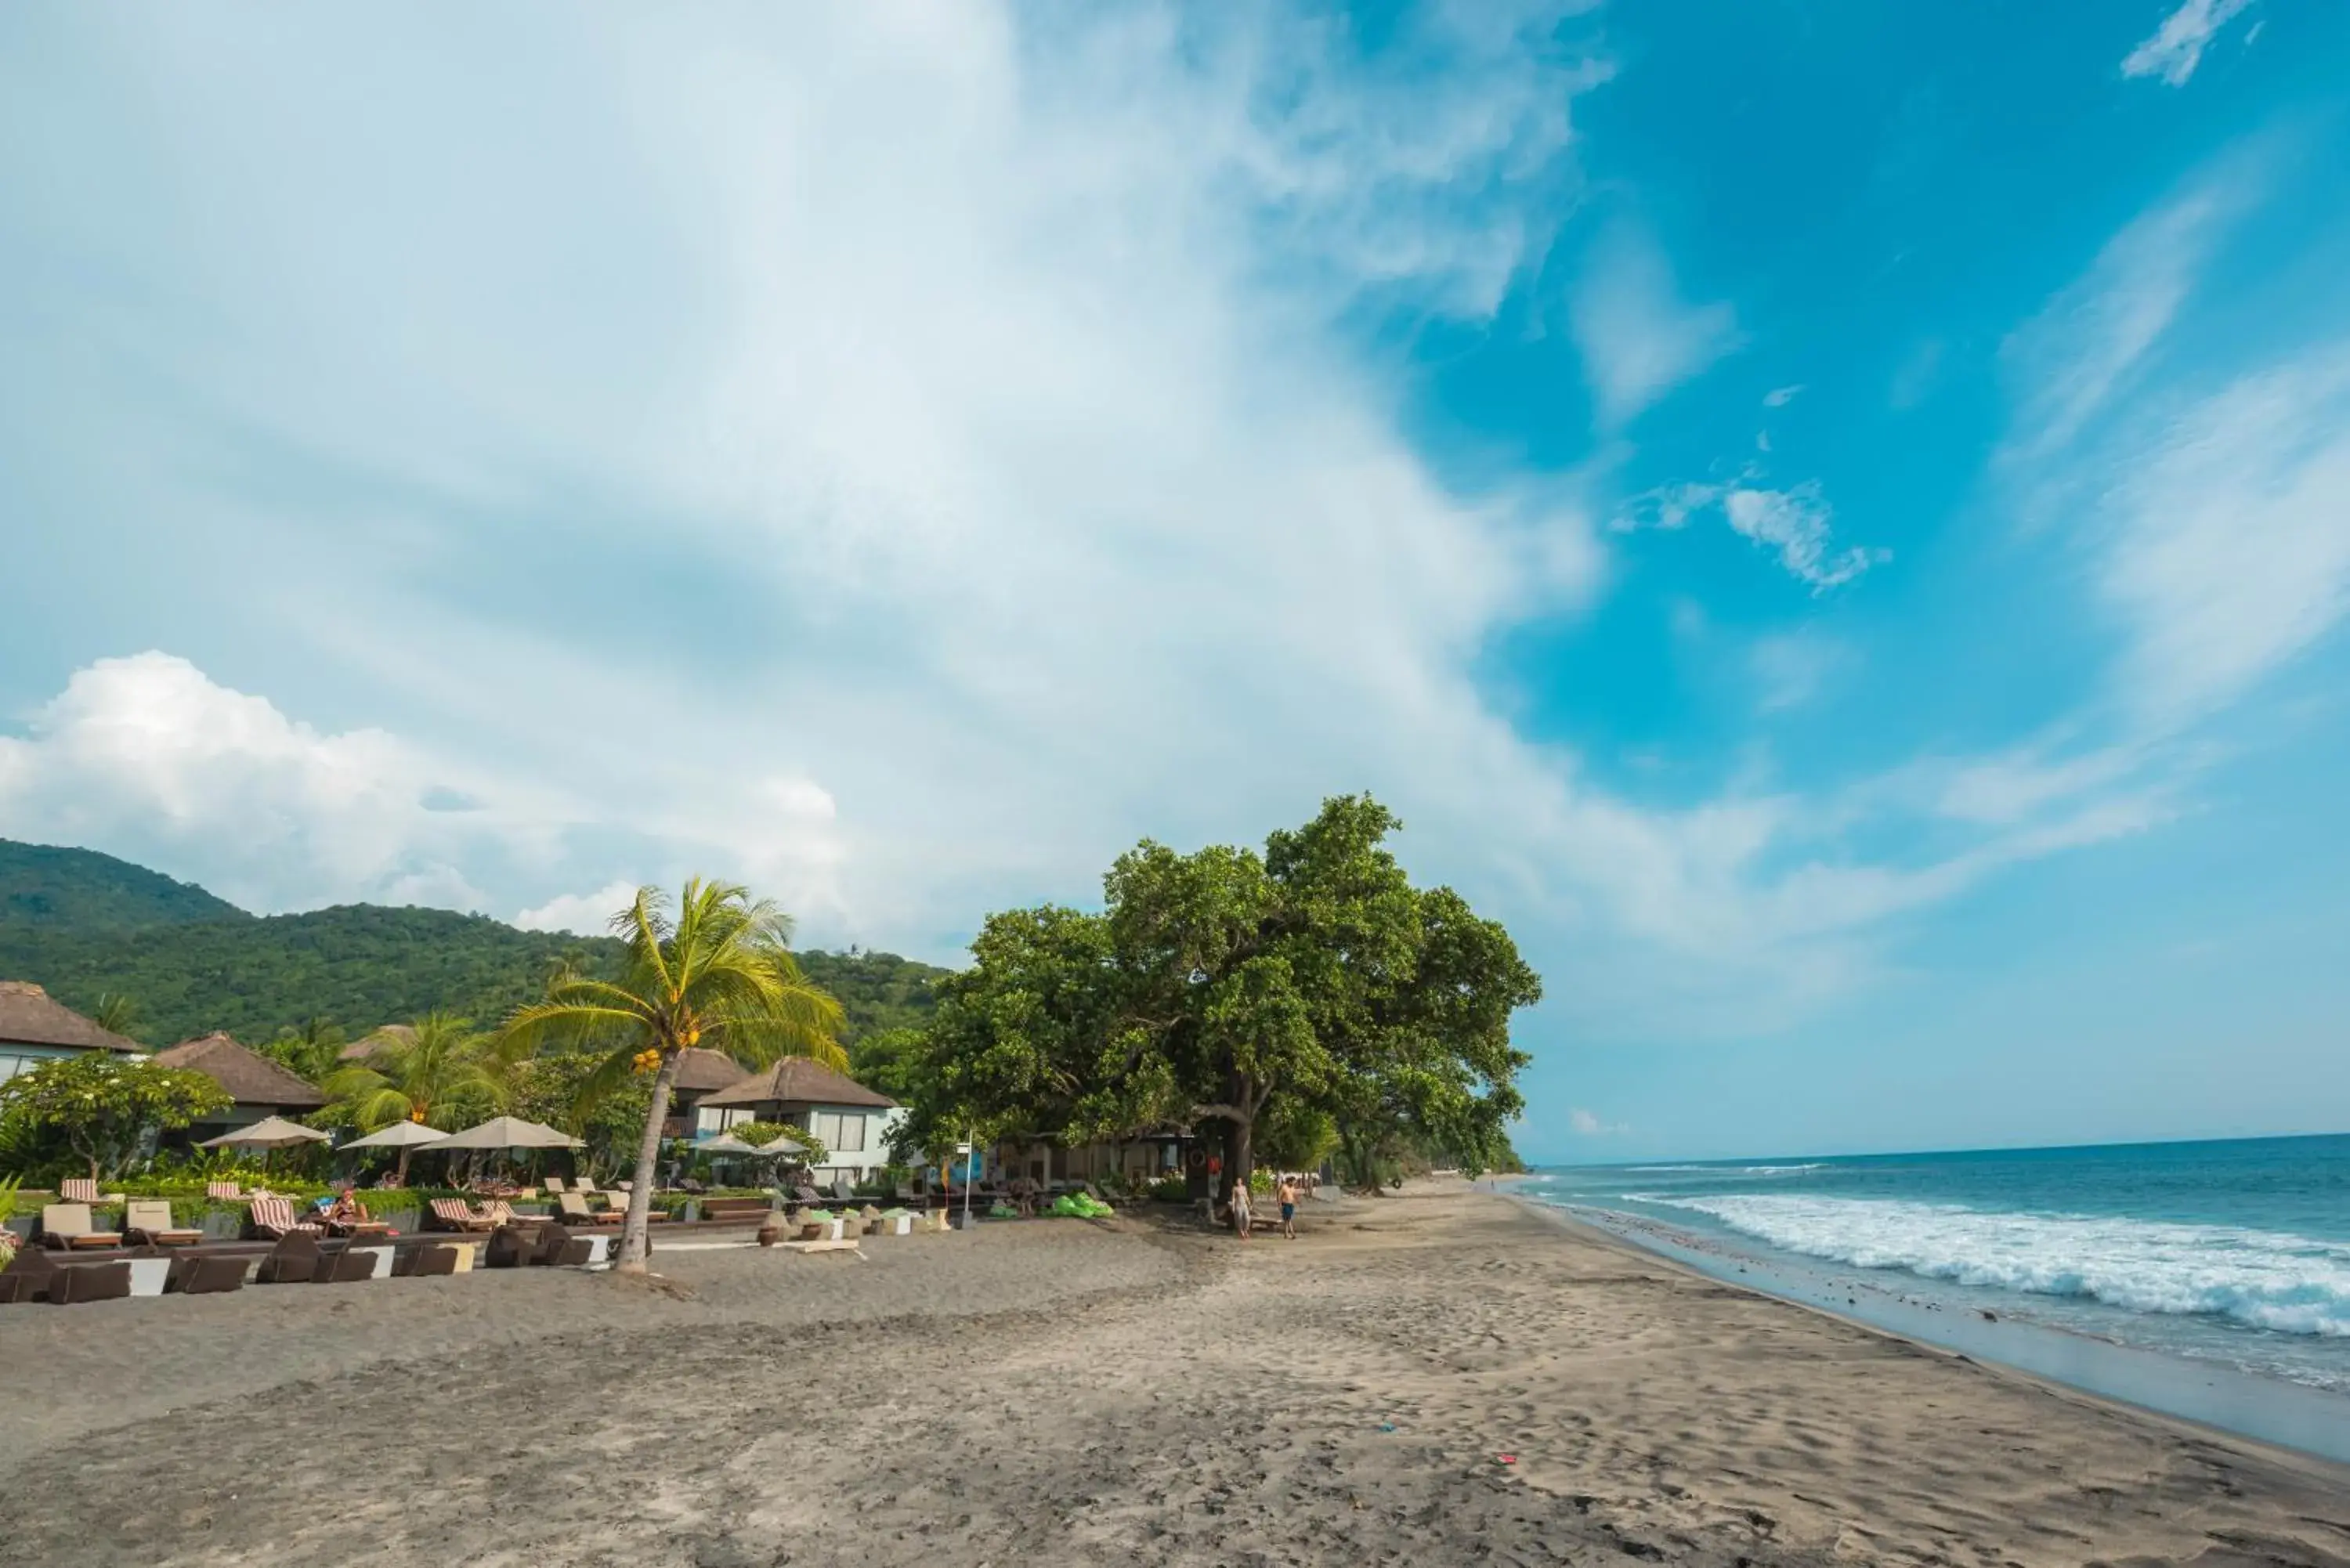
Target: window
(825, 1125)
(852, 1134)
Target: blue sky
(1832, 520)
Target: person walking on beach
(1240, 1206)
(1286, 1194)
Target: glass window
(852, 1134)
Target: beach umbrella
(726, 1145)
(270, 1132)
(782, 1147)
(398, 1135)
(506, 1132)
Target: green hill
(103, 925)
(80, 889)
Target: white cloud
(1796, 524)
(894, 454)
(1780, 397)
(2071, 359)
(1638, 339)
(2224, 548)
(147, 757)
(1588, 1124)
(582, 914)
(2176, 47)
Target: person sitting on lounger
(344, 1210)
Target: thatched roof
(366, 1045)
(28, 1017)
(699, 1070)
(798, 1080)
(250, 1078)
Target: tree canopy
(105, 1104)
(1310, 990)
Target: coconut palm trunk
(636, 1229)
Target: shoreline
(1435, 1377)
(2211, 1399)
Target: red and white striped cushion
(78, 1189)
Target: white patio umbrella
(270, 1132)
(398, 1135)
(506, 1132)
(783, 1146)
(727, 1144)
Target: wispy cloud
(1583, 1123)
(1793, 668)
(2071, 360)
(1638, 338)
(2176, 47)
(1780, 397)
(1795, 525)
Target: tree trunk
(402, 1176)
(641, 1194)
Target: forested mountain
(80, 889)
(82, 924)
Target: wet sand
(1078, 1393)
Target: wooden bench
(735, 1211)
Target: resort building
(852, 1121)
(34, 1029)
(259, 1086)
(699, 1074)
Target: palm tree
(720, 975)
(117, 1014)
(438, 1071)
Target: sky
(1831, 520)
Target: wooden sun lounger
(65, 1227)
(270, 1217)
(456, 1214)
(82, 1189)
(148, 1221)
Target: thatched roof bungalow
(35, 1028)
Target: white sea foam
(1734, 1169)
(2265, 1278)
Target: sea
(2215, 1257)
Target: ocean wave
(1734, 1169)
(2265, 1279)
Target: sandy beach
(1078, 1392)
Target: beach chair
(455, 1214)
(90, 1282)
(271, 1218)
(67, 1228)
(553, 1184)
(147, 1223)
(366, 1224)
(509, 1246)
(571, 1205)
(196, 1276)
(82, 1189)
(28, 1276)
(293, 1262)
(223, 1191)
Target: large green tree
(1312, 990)
(106, 1105)
(718, 974)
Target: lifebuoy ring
(1195, 1159)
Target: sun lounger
(270, 1217)
(365, 1225)
(293, 1262)
(572, 1207)
(147, 1223)
(82, 1189)
(65, 1227)
(90, 1282)
(456, 1214)
(223, 1191)
(553, 1184)
(196, 1276)
(28, 1276)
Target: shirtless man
(1285, 1194)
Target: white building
(852, 1121)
